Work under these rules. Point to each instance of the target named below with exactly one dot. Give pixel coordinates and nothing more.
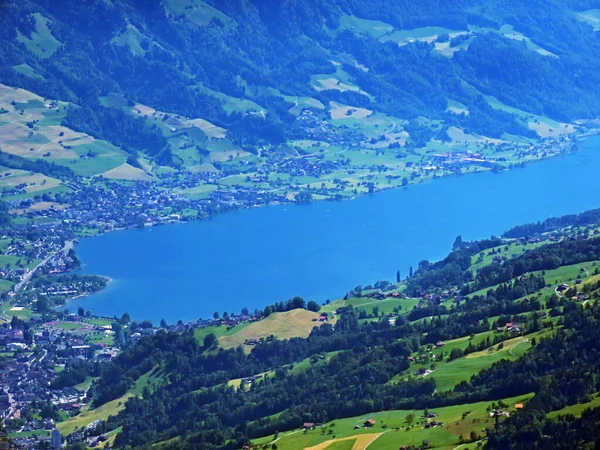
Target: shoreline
(574, 149)
(576, 138)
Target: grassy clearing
(386, 306)
(577, 409)
(352, 443)
(27, 70)
(338, 111)
(592, 17)
(284, 325)
(23, 314)
(447, 374)
(26, 434)
(14, 262)
(507, 251)
(70, 326)
(347, 444)
(151, 380)
(373, 28)
(6, 285)
(218, 331)
(295, 368)
(198, 192)
(41, 42)
(84, 386)
(423, 34)
(197, 12)
(132, 39)
(231, 104)
(87, 415)
(569, 274)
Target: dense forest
(147, 52)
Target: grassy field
(218, 331)
(24, 434)
(23, 314)
(87, 415)
(27, 70)
(447, 374)
(373, 28)
(578, 408)
(392, 429)
(569, 274)
(70, 326)
(197, 12)
(295, 368)
(6, 285)
(132, 39)
(41, 42)
(284, 325)
(503, 251)
(126, 172)
(13, 262)
(83, 387)
(151, 380)
(99, 322)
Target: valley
(303, 224)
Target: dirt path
(515, 346)
(362, 441)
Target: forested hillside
(501, 349)
(486, 67)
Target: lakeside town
(50, 357)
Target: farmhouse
(369, 423)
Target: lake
(254, 257)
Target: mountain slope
(468, 354)
(244, 65)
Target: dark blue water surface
(255, 257)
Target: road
(21, 284)
(68, 246)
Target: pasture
(126, 172)
(393, 429)
(41, 42)
(87, 415)
(283, 325)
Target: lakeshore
(321, 250)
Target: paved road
(21, 284)
(68, 246)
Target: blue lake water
(252, 258)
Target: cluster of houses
(27, 251)
(26, 376)
(511, 327)
(52, 441)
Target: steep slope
(244, 65)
